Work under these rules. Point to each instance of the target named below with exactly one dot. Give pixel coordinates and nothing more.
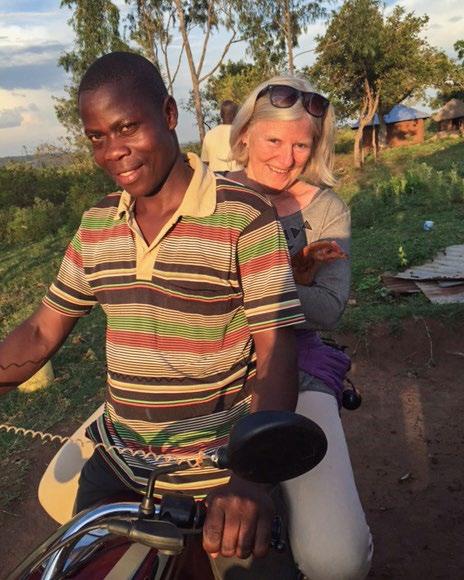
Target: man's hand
(239, 520)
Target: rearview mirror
(273, 446)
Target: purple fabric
(326, 363)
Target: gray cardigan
(327, 217)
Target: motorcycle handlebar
(177, 515)
(166, 533)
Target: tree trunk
(374, 140)
(198, 109)
(193, 72)
(289, 37)
(358, 157)
(370, 104)
(382, 130)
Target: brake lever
(164, 536)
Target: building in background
(405, 126)
(450, 117)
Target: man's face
(133, 138)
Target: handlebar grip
(183, 511)
(188, 514)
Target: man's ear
(170, 112)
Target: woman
(283, 136)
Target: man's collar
(199, 199)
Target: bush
(345, 140)
(421, 187)
(21, 184)
(29, 224)
(36, 201)
(84, 193)
(192, 147)
(5, 218)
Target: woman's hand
(239, 520)
(309, 259)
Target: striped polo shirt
(180, 315)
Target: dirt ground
(406, 447)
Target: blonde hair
(319, 169)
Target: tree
(150, 24)
(452, 85)
(411, 64)
(96, 24)
(233, 81)
(272, 29)
(365, 73)
(347, 62)
(210, 15)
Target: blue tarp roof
(397, 114)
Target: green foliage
(96, 24)
(459, 48)
(147, 28)
(394, 59)
(234, 81)
(192, 147)
(272, 30)
(402, 258)
(346, 56)
(387, 217)
(411, 64)
(344, 140)
(38, 201)
(20, 184)
(33, 223)
(420, 187)
(452, 86)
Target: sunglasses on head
(284, 97)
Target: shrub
(345, 140)
(421, 186)
(29, 224)
(36, 201)
(85, 192)
(191, 147)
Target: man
(193, 275)
(215, 151)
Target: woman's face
(278, 151)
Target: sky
(34, 33)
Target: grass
(440, 154)
(389, 200)
(79, 366)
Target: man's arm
(25, 350)
(276, 384)
(240, 514)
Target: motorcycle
(141, 540)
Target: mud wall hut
(405, 126)
(450, 117)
